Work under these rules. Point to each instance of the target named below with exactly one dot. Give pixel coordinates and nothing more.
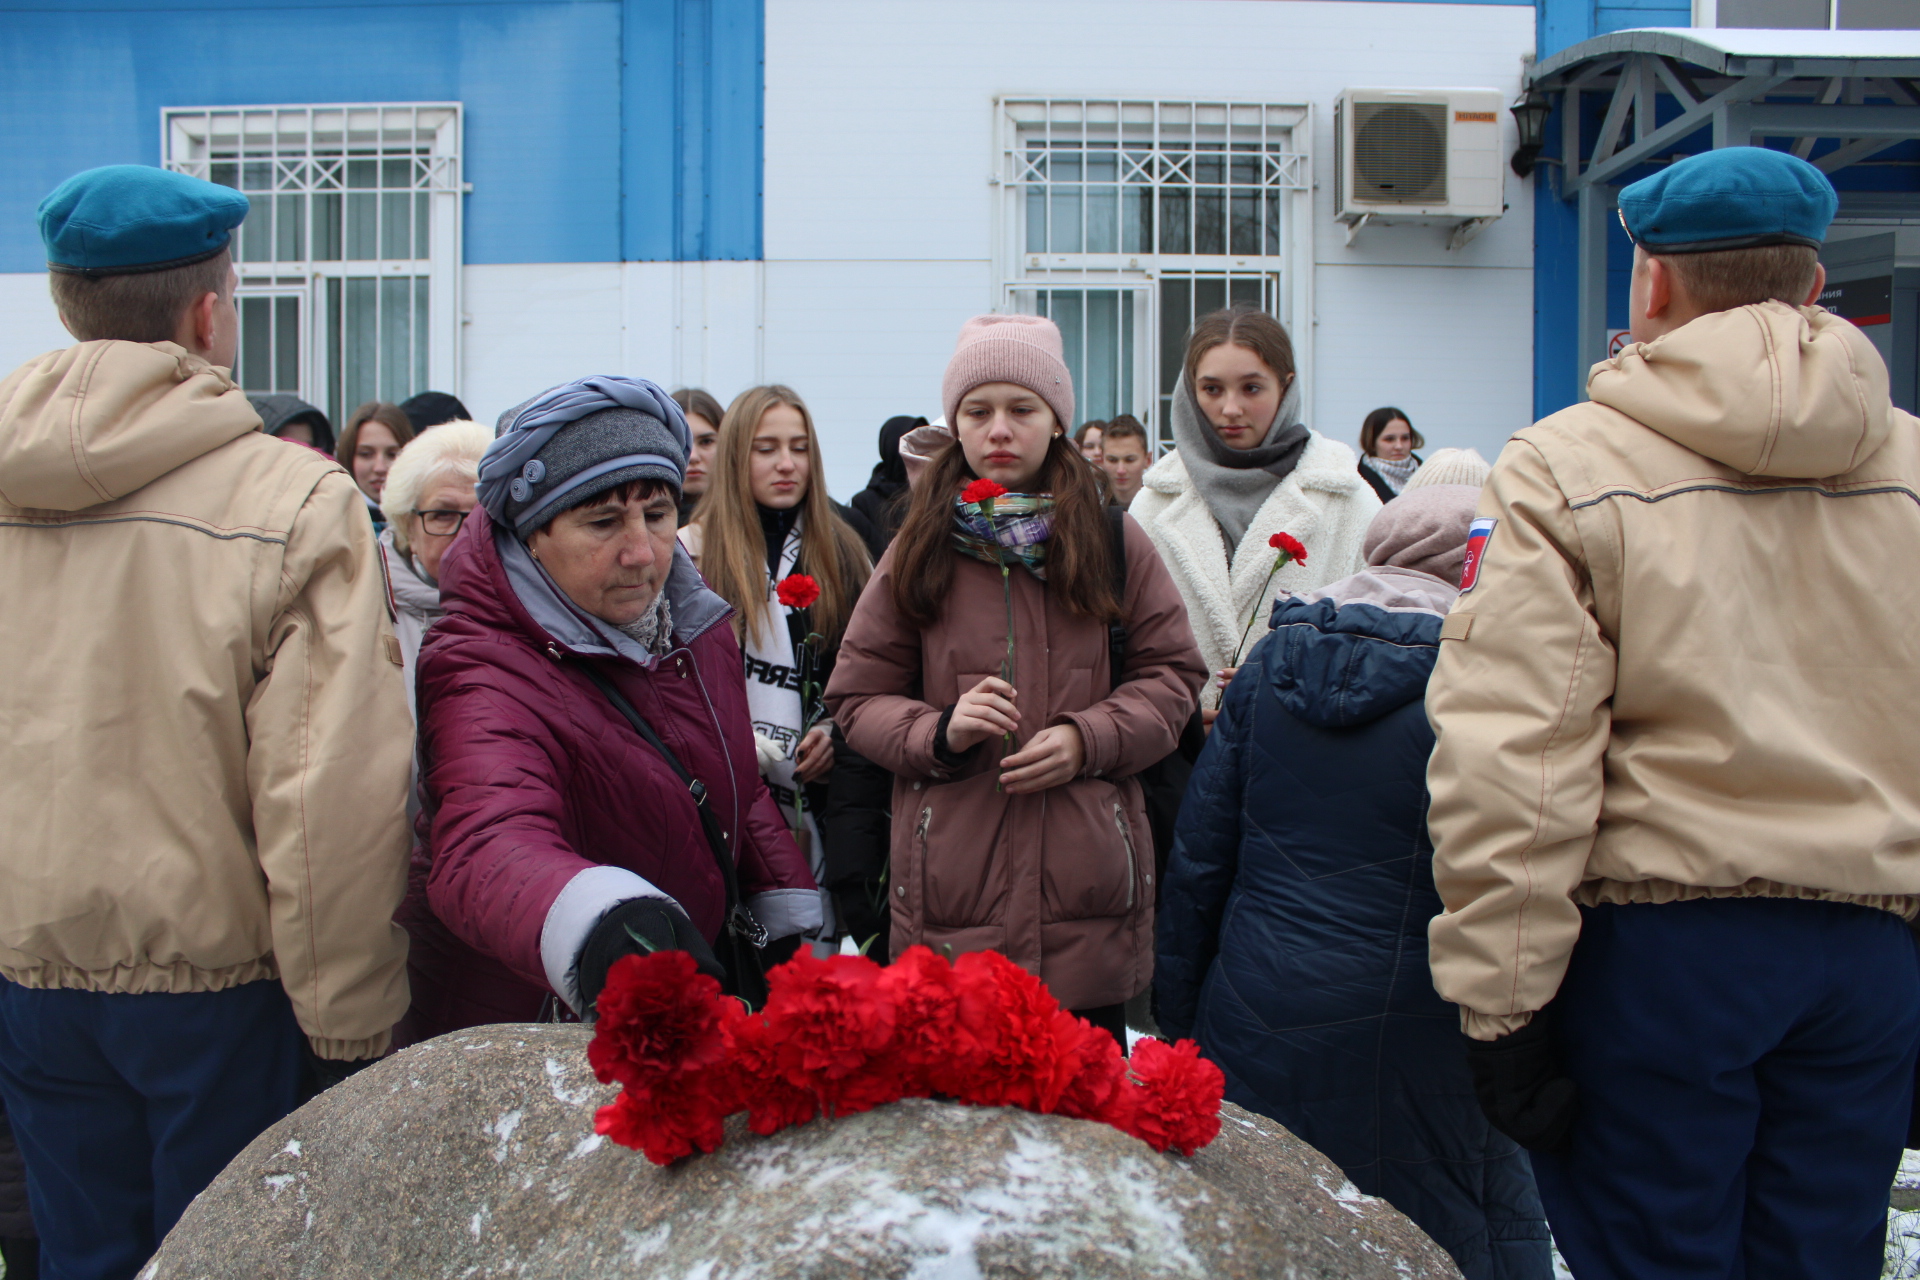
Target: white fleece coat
(1323, 502)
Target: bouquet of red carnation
(1290, 549)
(843, 1035)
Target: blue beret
(128, 218)
(1733, 198)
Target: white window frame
(1287, 274)
(301, 140)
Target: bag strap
(1117, 631)
(739, 919)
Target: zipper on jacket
(920, 835)
(1126, 838)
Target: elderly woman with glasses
(428, 492)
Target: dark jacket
(883, 504)
(530, 777)
(278, 411)
(1292, 939)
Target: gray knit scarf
(652, 630)
(1395, 473)
(1235, 482)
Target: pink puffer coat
(541, 804)
(1060, 882)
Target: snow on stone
(556, 1079)
(502, 1129)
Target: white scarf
(773, 702)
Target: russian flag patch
(1477, 535)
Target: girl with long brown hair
(978, 669)
(764, 523)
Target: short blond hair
(1727, 278)
(448, 453)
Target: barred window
(349, 258)
(1127, 219)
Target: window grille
(349, 257)
(1127, 219)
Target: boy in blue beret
(1675, 811)
(208, 744)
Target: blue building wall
(596, 130)
(1556, 270)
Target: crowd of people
(1503, 830)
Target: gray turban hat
(570, 444)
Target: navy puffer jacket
(1292, 938)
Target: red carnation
(772, 1104)
(1098, 1088)
(798, 591)
(666, 1127)
(1291, 545)
(928, 1038)
(833, 1023)
(1177, 1101)
(659, 1018)
(982, 490)
(1022, 1057)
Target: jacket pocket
(1089, 868)
(963, 878)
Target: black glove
(324, 1073)
(638, 927)
(1522, 1091)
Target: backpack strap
(1117, 631)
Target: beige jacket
(205, 748)
(1684, 669)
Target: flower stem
(1279, 562)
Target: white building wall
(879, 214)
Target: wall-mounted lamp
(1530, 115)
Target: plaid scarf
(1016, 532)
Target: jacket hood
(98, 421)
(278, 411)
(1769, 390)
(1356, 650)
(488, 578)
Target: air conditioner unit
(1429, 157)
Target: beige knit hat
(1023, 350)
(1450, 466)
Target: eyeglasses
(441, 524)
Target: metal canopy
(1662, 85)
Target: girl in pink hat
(980, 668)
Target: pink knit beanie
(1024, 350)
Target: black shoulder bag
(1164, 782)
(741, 937)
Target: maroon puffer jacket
(540, 803)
